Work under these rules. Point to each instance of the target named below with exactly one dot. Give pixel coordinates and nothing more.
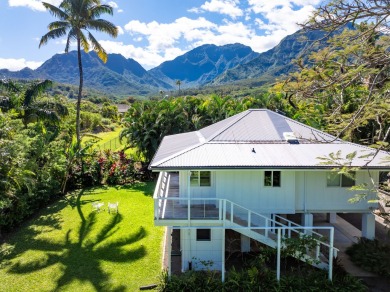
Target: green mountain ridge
(207, 65)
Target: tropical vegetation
(372, 256)
(256, 275)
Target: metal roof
(255, 139)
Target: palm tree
(77, 17)
(178, 83)
(28, 103)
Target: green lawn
(105, 138)
(69, 247)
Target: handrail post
(156, 209)
(231, 213)
(249, 218)
(224, 212)
(331, 240)
(289, 229)
(279, 241)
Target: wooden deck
(172, 207)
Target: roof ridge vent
(290, 137)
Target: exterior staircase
(274, 230)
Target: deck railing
(231, 215)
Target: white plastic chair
(113, 207)
(96, 206)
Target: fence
(112, 144)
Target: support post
(331, 217)
(368, 226)
(189, 198)
(307, 221)
(331, 242)
(245, 243)
(169, 251)
(223, 255)
(279, 243)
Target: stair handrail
(330, 246)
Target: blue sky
(153, 31)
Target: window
(334, 179)
(203, 234)
(272, 178)
(200, 179)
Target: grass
(105, 137)
(69, 247)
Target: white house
(248, 173)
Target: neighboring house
(247, 173)
(122, 108)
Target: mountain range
(204, 65)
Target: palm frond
(9, 85)
(98, 10)
(102, 25)
(53, 34)
(34, 90)
(59, 24)
(84, 42)
(55, 11)
(98, 48)
(71, 36)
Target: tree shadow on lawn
(81, 260)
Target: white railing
(161, 191)
(269, 230)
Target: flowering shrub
(104, 167)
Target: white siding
(247, 188)
(196, 192)
(197, 251)
(320, 197)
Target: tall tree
(335, 14)
(76, 19)
(178, 83)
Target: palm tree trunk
(79, 95)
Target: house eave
(326, 167)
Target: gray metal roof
(255, 139)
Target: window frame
(342, 180)
(271, 181)
(203, 234)
(196, 181)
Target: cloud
(147, 57)
(120, 30)
(113, 4)
(120, 10)
(225, 7)
(18, 64)
(32, 4)
(265, 24)
(281, 14)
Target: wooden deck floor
(176, 208)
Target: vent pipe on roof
(290, 137)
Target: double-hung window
(272, 178)
(200, 178)
(334, 179)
